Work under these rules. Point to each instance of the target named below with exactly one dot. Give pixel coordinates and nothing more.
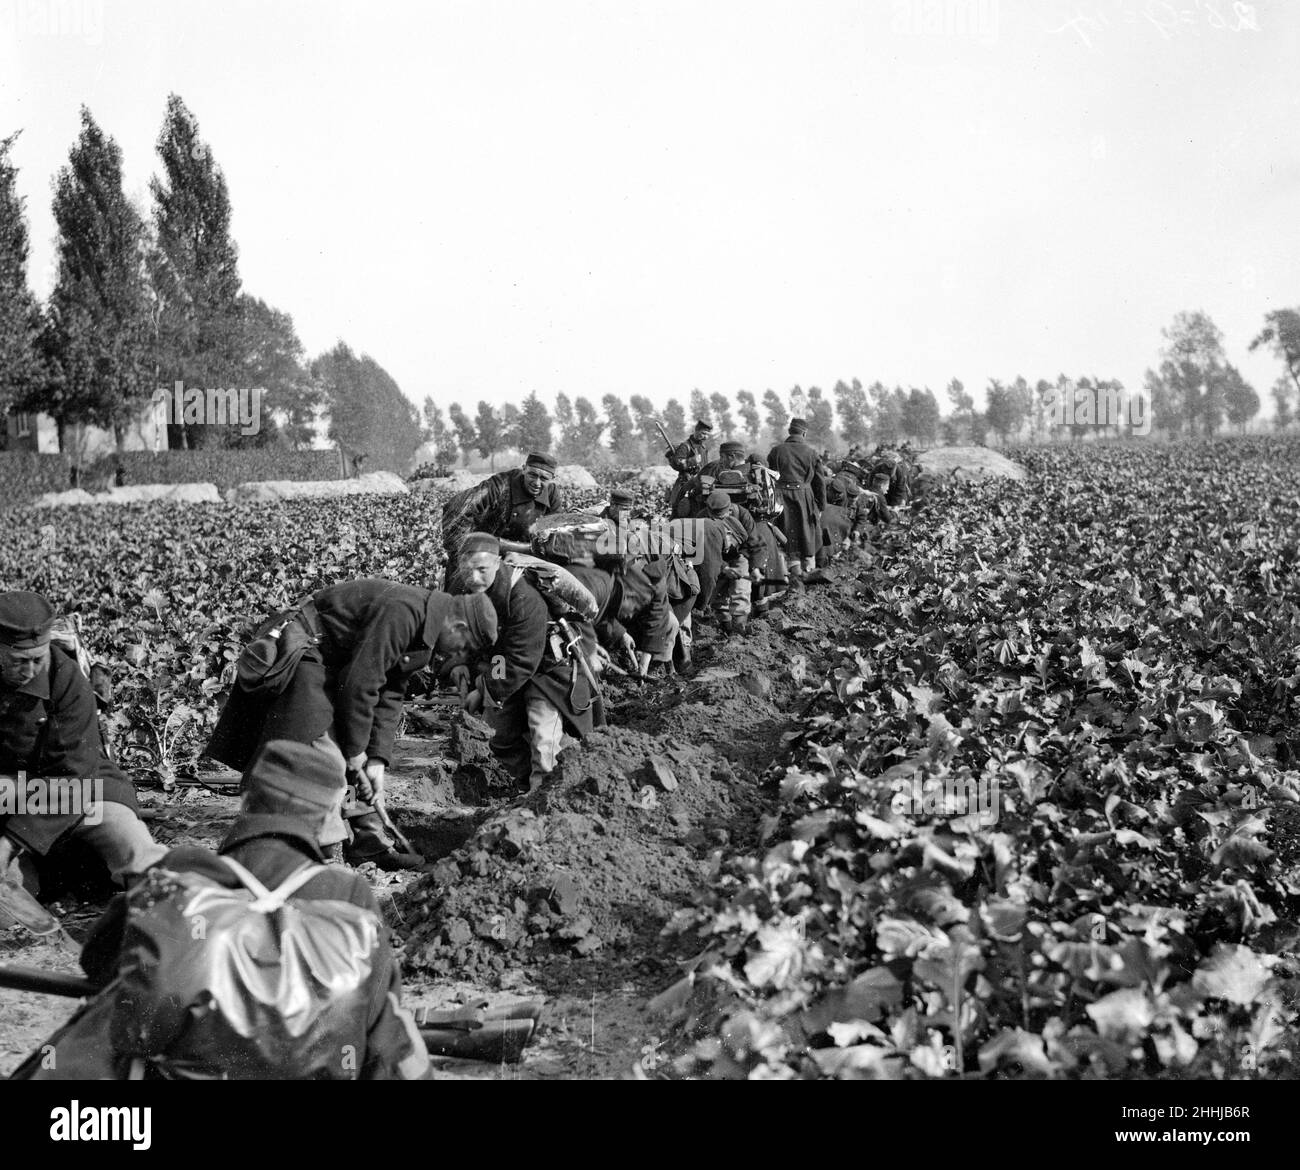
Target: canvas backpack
(245, 983)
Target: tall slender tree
(535, 425)
(821, 417)
(624, 443)
(643, 411)
(438, 433)
(700, 408)
(488, 433)
(20, 316)
(675, 420)
(749, 415)
(778, 417)
(720, 405)
(466, 435)
(96, 343)
(851, 403)
(195, 264)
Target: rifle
(19, 978)
(573, 648)
(671, 445)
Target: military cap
(477, 542)
(25, 620)
(622, 495)
(731, 447)
(479, 614)
(730, 481)
(798, 426)
(718, 501)
(291, 778)
(539, 459)
(290, 788)
(705, 427)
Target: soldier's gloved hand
(357, 762)
(474, 701)
(844, 544)
(629, 646)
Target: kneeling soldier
(49, 729)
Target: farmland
(1015, 796)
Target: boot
(740, 627)
(796, 579)
(816, 577)
(370, 842)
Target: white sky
(491, 198)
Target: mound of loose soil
(596, 861)
(969, 463)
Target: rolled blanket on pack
(555, 582)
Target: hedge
(25, 475)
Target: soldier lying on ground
(49, 729)
(364, 1034)
(345, 695)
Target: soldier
(741, 547)
(287, 800)
(533, 689)
(619, 508)
(505, 504)
(731, 455)
(844, 520)
(49, 729)
(803, 495)
(346, 694)
(686, 459)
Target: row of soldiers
(537, 604)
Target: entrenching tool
(367, 793)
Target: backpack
(267, 663)
(242, 984)
(563, 593)
(65, 632)
(762, 492)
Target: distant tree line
(142, 301)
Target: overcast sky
(492, 198)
